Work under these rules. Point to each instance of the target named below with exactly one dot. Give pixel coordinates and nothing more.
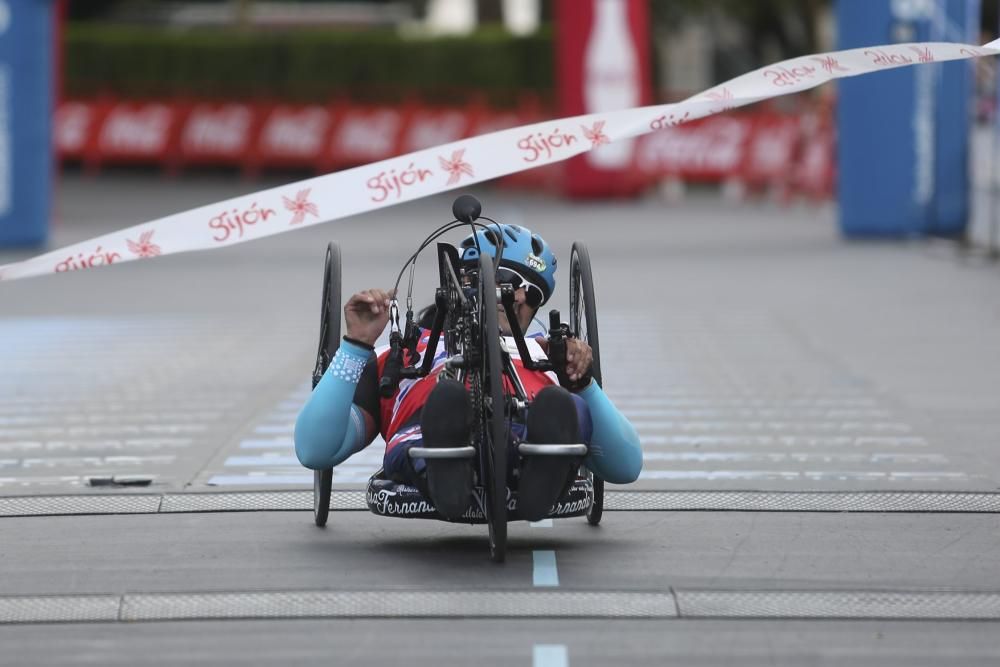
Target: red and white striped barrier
(459, 163)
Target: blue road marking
(550, 655)
(544, 572)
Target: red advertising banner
(428, 127)
(364, 134)
(765, 151)
(217, 134)
(773, 148)
(74, 125)
(712, 149)
(135, 132)
(602, 64)
(292, 136)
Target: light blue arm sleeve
(615, 453)
(330, 427)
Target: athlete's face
(523, 311)
(528, 296)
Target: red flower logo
(723, 95)
(456, 166)
(596, 134)
(301, 206)
(145, 247)
(829, 63)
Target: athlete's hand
(579, 358)
(366, 314)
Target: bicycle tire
(584, 326)
(329, 342)
(495, 427)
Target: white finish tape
(462, 163)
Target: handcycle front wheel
(583, 324)
(494, 431)
(329, 342)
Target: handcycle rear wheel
(329, 342)
(583, 324)
(494, 431)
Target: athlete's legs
(554, 418)
(446, 421)
(397, 464)
(444, 427)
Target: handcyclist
(345, 412)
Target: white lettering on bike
(395, 503)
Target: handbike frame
(467, 303)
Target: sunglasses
(533, 294)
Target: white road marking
(794, 457)
(266, 460)
(246, 480)
(281, 416)
(647, 425)
(277, 429)
(694, 413)
(276, 443)
(544, 523)
(783, 440)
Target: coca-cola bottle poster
(602, 64)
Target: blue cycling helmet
(527, 254)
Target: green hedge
(304, 65)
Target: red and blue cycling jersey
(344, 411)
(399, 416)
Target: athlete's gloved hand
(366, 314)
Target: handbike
(477, 355)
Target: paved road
(753, 350)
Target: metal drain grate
(233, 502)
(80, 504)
(260, 501)
(804, 501)
(837, 604)
(926, 605)
(621, 501)
(59, 608)
(395, 604)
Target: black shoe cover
(552, 420)
(445, 421)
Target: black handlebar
(558, 333)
